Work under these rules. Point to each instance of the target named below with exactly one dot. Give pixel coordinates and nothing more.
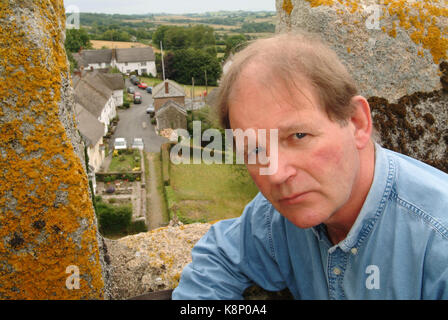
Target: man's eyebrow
(288, 127)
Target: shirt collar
(373, 205)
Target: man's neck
(338, 228)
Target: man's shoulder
(421, 189)
(412, 175)
(261, 214)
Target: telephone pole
(163, 64)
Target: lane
(135, 123)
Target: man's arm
(229, 258)
(435, 277)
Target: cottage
(115, 82)
(94, 59)
(171, 116)
(91, 131)
(94, 93)
(168, 90)
(138, 60)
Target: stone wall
(396, 51)
(47, 223)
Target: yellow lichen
(37, 234)
(287, 6)
(420, 19)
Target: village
(99, 97)
(124, 121)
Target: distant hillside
(140, 27)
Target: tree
(159, 35)
(235, 43)
(76, 39)
(188, 63)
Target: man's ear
(362, 121)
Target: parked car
(149, 89)
(138, 143)
(137, 99)
(150, 110)
(142, 85)
(131, 90)
(134, 80)
(120, 143)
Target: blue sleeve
(230, 257)
(435, 281)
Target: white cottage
(92, 131)
(95, 92)
(138, 60)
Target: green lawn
(209, 192)
(126, 161)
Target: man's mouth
(294, 198)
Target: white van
(120, 144)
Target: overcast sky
(168, 6)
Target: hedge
(165, 153)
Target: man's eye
(299, 135)
(256, 150)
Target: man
(342, 217)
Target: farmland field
(98, 44)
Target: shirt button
(337, 271)
(354, 250)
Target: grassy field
(209, 192)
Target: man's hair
(288, 58)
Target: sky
(167, 6)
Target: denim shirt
(396, 249)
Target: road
(135, 123)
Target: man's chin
(303, 219)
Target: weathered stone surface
(416, 126)
(399, 64)
(397, 56)
(151, 261)
(47, 222)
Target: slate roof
(135, 54)
(168, 105)
(90, 127)
(174, 90)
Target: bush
(113, 220)
(137, 227)
(166, 163)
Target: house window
(125, 63)
(144, 71)
(143, 64)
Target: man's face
(318, 161)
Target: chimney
(166, 87)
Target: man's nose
(285, 170)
